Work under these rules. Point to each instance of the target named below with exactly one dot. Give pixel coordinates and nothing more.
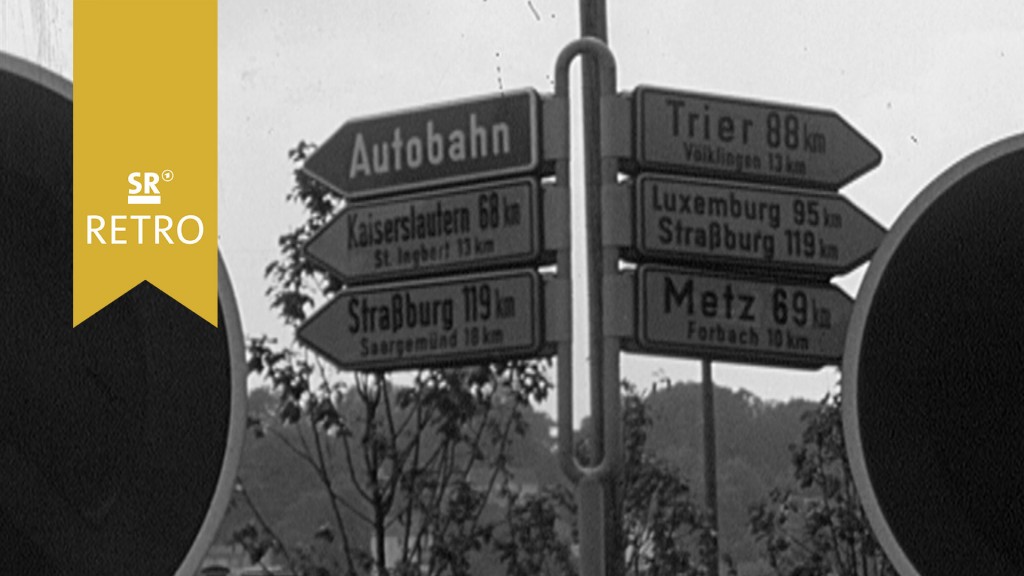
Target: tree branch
(263, 522)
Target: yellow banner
(145, 151)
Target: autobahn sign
(739, 139)
(459, 229)
(705, 314)
(459, 142)
(448, 321)
(777, 229)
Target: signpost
(739, 139)
(690, 221)
(461, 229)
(719, 316)
(484, 138)
(455, 320)
(721, 224)
(404, 223)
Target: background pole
(710, 468)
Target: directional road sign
(456, 320)
(691, 221)
(718, 316)
(460, 229)
(740, 139)
(457, 142)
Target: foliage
(665, 532)
(753, 436)
(533, 544)
(426, 464)
(752, 439)
(433, 463)
(819, 528)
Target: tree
(820, 528)
(532, 544)
(429, 465)
(664, 531)
(426, 466)
(752, 438)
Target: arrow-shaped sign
(813, 233)
(740, 139)
(708, 315)
(454, 320)
(459, 229)
(456, 142)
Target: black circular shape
(119, 439)
(934, 373)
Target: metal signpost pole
(710, 464)
(594, 24)
(597, 558)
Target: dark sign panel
(932, 374)
(452, 321)
(690, 221)
(461, 229)
(708, 315)
(739, 139)
(484, 138)
(120, 437)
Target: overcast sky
(927, 82)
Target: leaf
(255, 364)
(289, 412)
(325, 533)
(291, 304)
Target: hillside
(753, 438)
